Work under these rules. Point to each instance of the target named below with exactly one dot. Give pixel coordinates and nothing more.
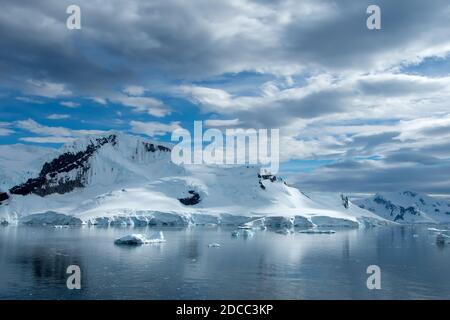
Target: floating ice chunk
(132, 239)
(317, 231)
(138, 239)
(213, 245)
(235, 233)
(60, 227)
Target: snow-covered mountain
(122, 179)
(407, 207)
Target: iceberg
(139, 239)
(213, 245)
(132, 239)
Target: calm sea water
(33, 263)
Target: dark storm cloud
(369, 177)
(341, 40)
(140, 41)
(411, 156)
(367, 143)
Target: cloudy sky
(358, 110)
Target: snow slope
(407, 207)
(118, 179)
(20, 162)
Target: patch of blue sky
(431, 67)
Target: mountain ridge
(117, 178)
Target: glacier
(116, 179)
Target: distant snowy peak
(407, 206)
(93, 159)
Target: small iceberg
(60, 226)
(317, 231)
(213, 245)
(235, 234)
(139, 239)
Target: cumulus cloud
(5, 130)
(58, 116)
(46, 89)
(222, 122)
(55, 140)
(69, 104)
(50, 134)
(153, 128)
(134, 90)
(147, 105)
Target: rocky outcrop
(150, 147)
(3, 197)
(269, 177)
(192, 200)
(51, 179)
(345, 201)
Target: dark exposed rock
(270, 177)
(387, 204)
(150, 147)
(47, 182)
(192, 200)
(410, 193)
(3, 196)
(399, 211)
(345, 201)
(163, 149)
